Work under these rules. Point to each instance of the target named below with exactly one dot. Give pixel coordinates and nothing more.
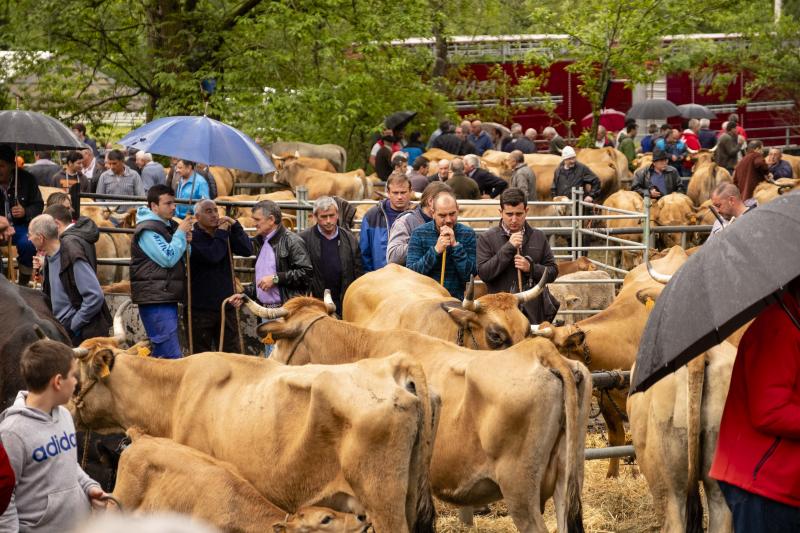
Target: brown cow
(706, 175)
(610, 165)
(674, 209)
(350, 186)
(512, 424)
(612, 337)
(309, 162)
(157, 474)
(576, 265)
(396, 297)
(768, 191)
(628, 201)
(301, 436)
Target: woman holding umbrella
(20, 202)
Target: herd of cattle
(358, 423)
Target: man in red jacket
(757, 462)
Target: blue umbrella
(203, 140)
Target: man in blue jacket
(158, 272)
(379, 219)
(429, 241)
(191, 186)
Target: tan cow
(610, 165)
(309, 162)
(675, 425)
(512, 424)
(157, 474)
(334, 153)
(766, 191)
(396, 297)
(302, 436)
(237, 212)
(435, 154)
(580, 264)
(674, 209)
(350, 186)
(592, 296)
(111, 245)
(706, 175)
(629, 201)
(551, 212)
(613, 335)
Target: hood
(85, 228)
(144, 213)
(20, 409)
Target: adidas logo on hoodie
(55, 446)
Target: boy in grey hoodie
(52, 493)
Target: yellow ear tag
(649, 304)
(268, 339)
(104, 371)
(143, 351)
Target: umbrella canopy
(28, 130)
(489, 128)
(736, 274)
(653, 109)
(696, 111)
(203, 140)
(399, 120)
(610, 119)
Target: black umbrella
(653, 109)
(696, 111)
(28, 130)
(399, 120)
(736, 274)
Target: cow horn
(297, 154)
(328, 299)
(119, 328)
(80, 353)
(532, 293)
(658, 276)
(541, 332)
(469, 302)
(264, 312)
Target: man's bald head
(445, 209)
(207, 214)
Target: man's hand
(588, 199)
(38, 262)
(520, 263)
(265, 283)
(18, 211)
(186, 224)
(236, 300)
(655, 193)
(515, 239)
(95, 497)
(6, 229)
(446, 238)
(225, 223)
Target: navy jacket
(211, 264)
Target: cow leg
(616, 430)
(520, 480)
(465, 514)
(720, 519)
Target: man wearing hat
(657, 179)
(20, 202)
(572, 174)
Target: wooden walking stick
(238, 310)
(189, 270)
(519, 271)
(444, 262)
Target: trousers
(753, 513)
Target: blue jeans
(753, 513)
(25, 248)
(161, 324)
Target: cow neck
(144, 390)
(613, 336)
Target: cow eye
(327, 520)
(361, 517)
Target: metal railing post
(646, 236)
(574, 213)
(579, 252)
(302, 214)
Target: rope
(222, 326)
(85, 455)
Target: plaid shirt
(423, 258)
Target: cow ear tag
(143, 351)
(268, 339)
(104, 371)
(649, 304)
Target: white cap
(567, 153)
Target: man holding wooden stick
(443, 249)
(513, 256)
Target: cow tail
(576, 410)
(419, 501)
(694, 397)
(367, 187)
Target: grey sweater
(400, 234)
(51, 494)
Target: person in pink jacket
(757, 461)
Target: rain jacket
(759, 436)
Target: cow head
(570, 339)
(494, 320)
(322, 519)
(292, 319)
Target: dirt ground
(621, 505)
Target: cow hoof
(465, 514)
